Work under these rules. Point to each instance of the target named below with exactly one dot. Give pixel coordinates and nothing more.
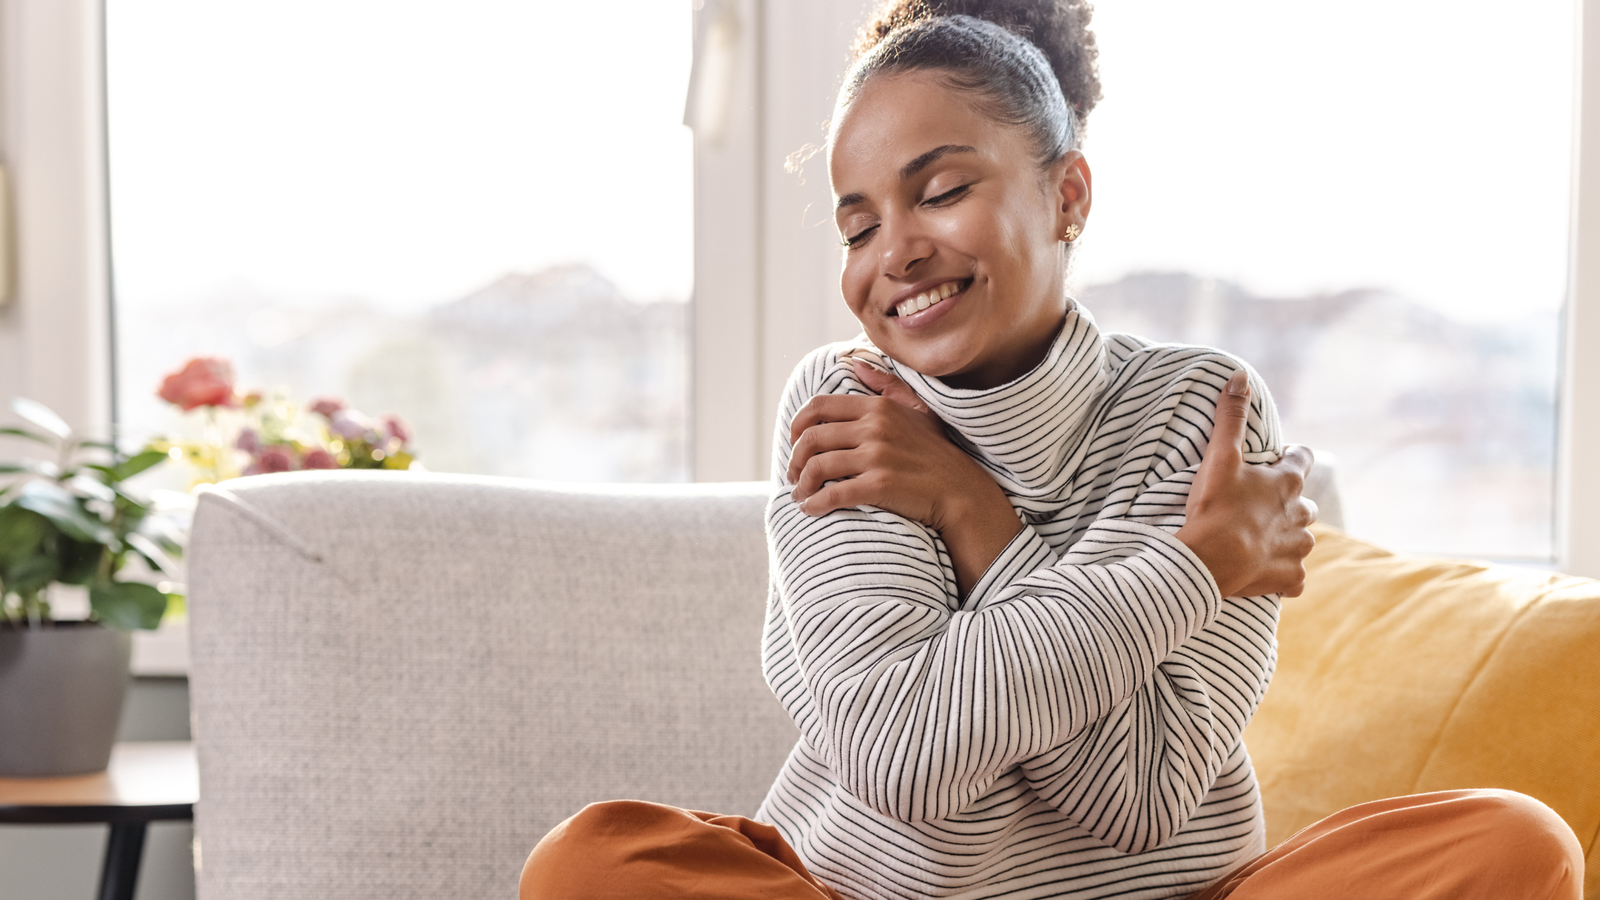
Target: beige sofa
(400, 682)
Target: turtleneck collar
(1025, 430)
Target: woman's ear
(1075, 188)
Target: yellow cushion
(1404, 674)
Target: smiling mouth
(920, 302)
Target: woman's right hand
(1248, 523)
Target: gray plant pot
(61, 694)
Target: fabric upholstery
(401, 682)
(1403, 674)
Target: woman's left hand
(891, 451)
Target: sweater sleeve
(1134, 777)
(917, 702)
(919, 706)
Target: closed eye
(948, 197)
(855, 240)
(944, 199)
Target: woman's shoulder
(1134, 359)
(829, 369)
(1125, 350)
(1150, 375)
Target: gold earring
(1071, 234)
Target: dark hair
(1031, 62)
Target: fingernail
(850, 355)
(1239, 384)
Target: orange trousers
(1453, 845)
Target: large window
(1369, 201)
(475, 215)
(480, 217)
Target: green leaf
(21, 532)
(30, 435)
(79, 561)
(31, 574)
(131, 467)
(127, 604)
(133, 513)
(99, 445)
(62, 509)
(42, 416)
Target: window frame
(1578, 410)
(55, 334)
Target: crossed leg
(1453, 845)
(629, 849)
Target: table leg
(120, 873)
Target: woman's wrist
(976, 527)
(1218, 553)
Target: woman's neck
(1030, 352)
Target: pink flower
(275, 458)
(396, 427)
(248, 441)
(319, 458)
(203, 381)
(348, 424)
(327, 406)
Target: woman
(1020, 624)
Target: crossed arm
(922, 703)
(1246, 523)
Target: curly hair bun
(1059, 28)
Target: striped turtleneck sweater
(1070, 728)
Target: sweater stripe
(1072, 727)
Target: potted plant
(71, 521)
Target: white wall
(54, 335)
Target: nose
(906, 244)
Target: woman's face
(952, 231)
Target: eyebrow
(931, 157)
(912, 168)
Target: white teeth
(922, 301)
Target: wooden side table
(146, 782)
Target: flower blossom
(203, 381)
(348, 424)
(318, 458)
(327, 407)
(275, 458)
(396, 428)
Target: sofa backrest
(400, 682)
